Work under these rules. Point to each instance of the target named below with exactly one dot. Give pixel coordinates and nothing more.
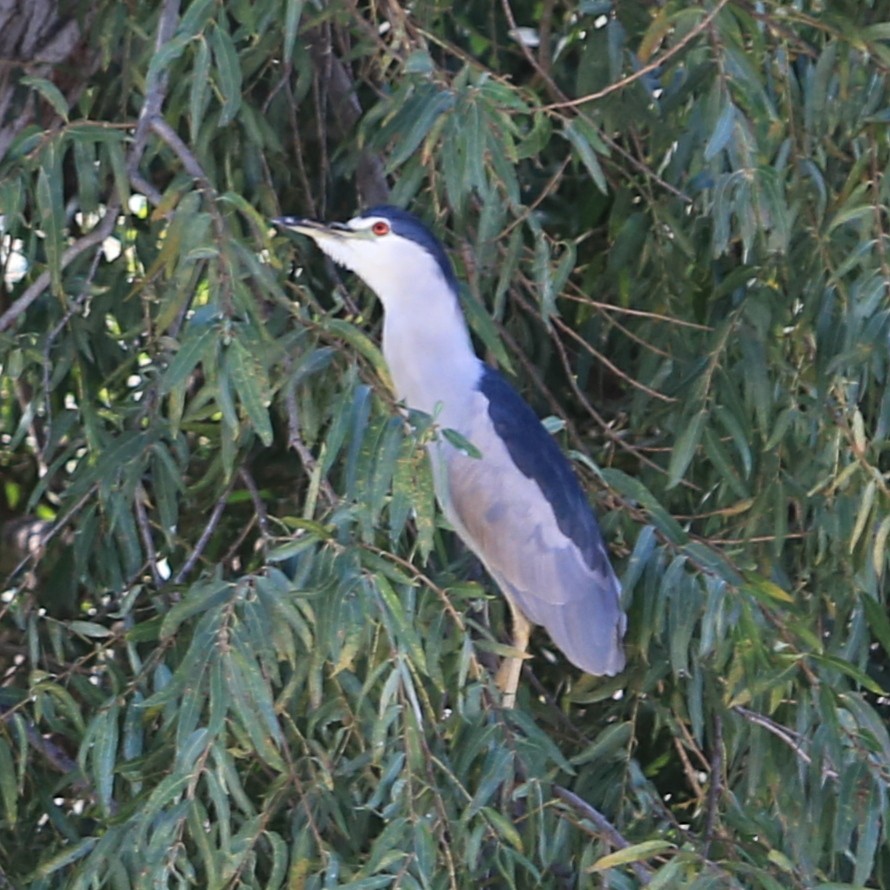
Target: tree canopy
(239, 645)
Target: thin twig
(212, 523)
(654, 65)
(603, 826)
(790, 738)
(155, 88)
(54, 754)
(190, 163)
(715, 783)
(42, 282)
(144, 187)
(688, 769)
(638, 313)
(259, 507)
(145, 534)
(588, 347)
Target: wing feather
(521, 510)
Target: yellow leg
(511, 667)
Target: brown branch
(203, 541)
(155, 88)
(42, 282)
(603, 827)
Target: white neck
(427, 347)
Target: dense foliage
(238, 645)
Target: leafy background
(238, 647)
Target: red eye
(380, 228)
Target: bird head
(391, 250)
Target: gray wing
(533, 529)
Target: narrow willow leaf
(475, 127)
(633, 488)
(164, 58)
(385, 465)
(87, 175)
(50, 92)
(89, 629)
(504, 827)
(418, 123)
(722, 132)
(360, 342)
(880, 547)
(718, 456)
(202, 597)
(846, 667)
(579, 136)
(199, 90)
(50, 206)
(404, 631)
(66, 857)
(195, 18)
(197, 347)
(360, 411)
(252, 386)
(878, 621)
(239, 684)
(190, 749)
(63, 700)
(8, 786)
(765, 589)
(633, 853)
(611, 741)
(104, 755)
(292, 14)
(228, 73)
(685, 447)
(862, 516)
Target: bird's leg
(511, 667)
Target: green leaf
(164, 58)
(201, 597)
(685, 447)
(360, 342)
(582, 135)
(8, 788)
(635, 489)
(878, 621)
(418, 118)
(199, 89)
(634, 853)
(50, 92)
(104, 755)
(228, 73)
(722, 133)
(401, 627)
(89, 629)
(198, 346)
(252, 385)
(51, 209)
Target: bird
(513, 498)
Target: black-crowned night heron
(517, 503)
